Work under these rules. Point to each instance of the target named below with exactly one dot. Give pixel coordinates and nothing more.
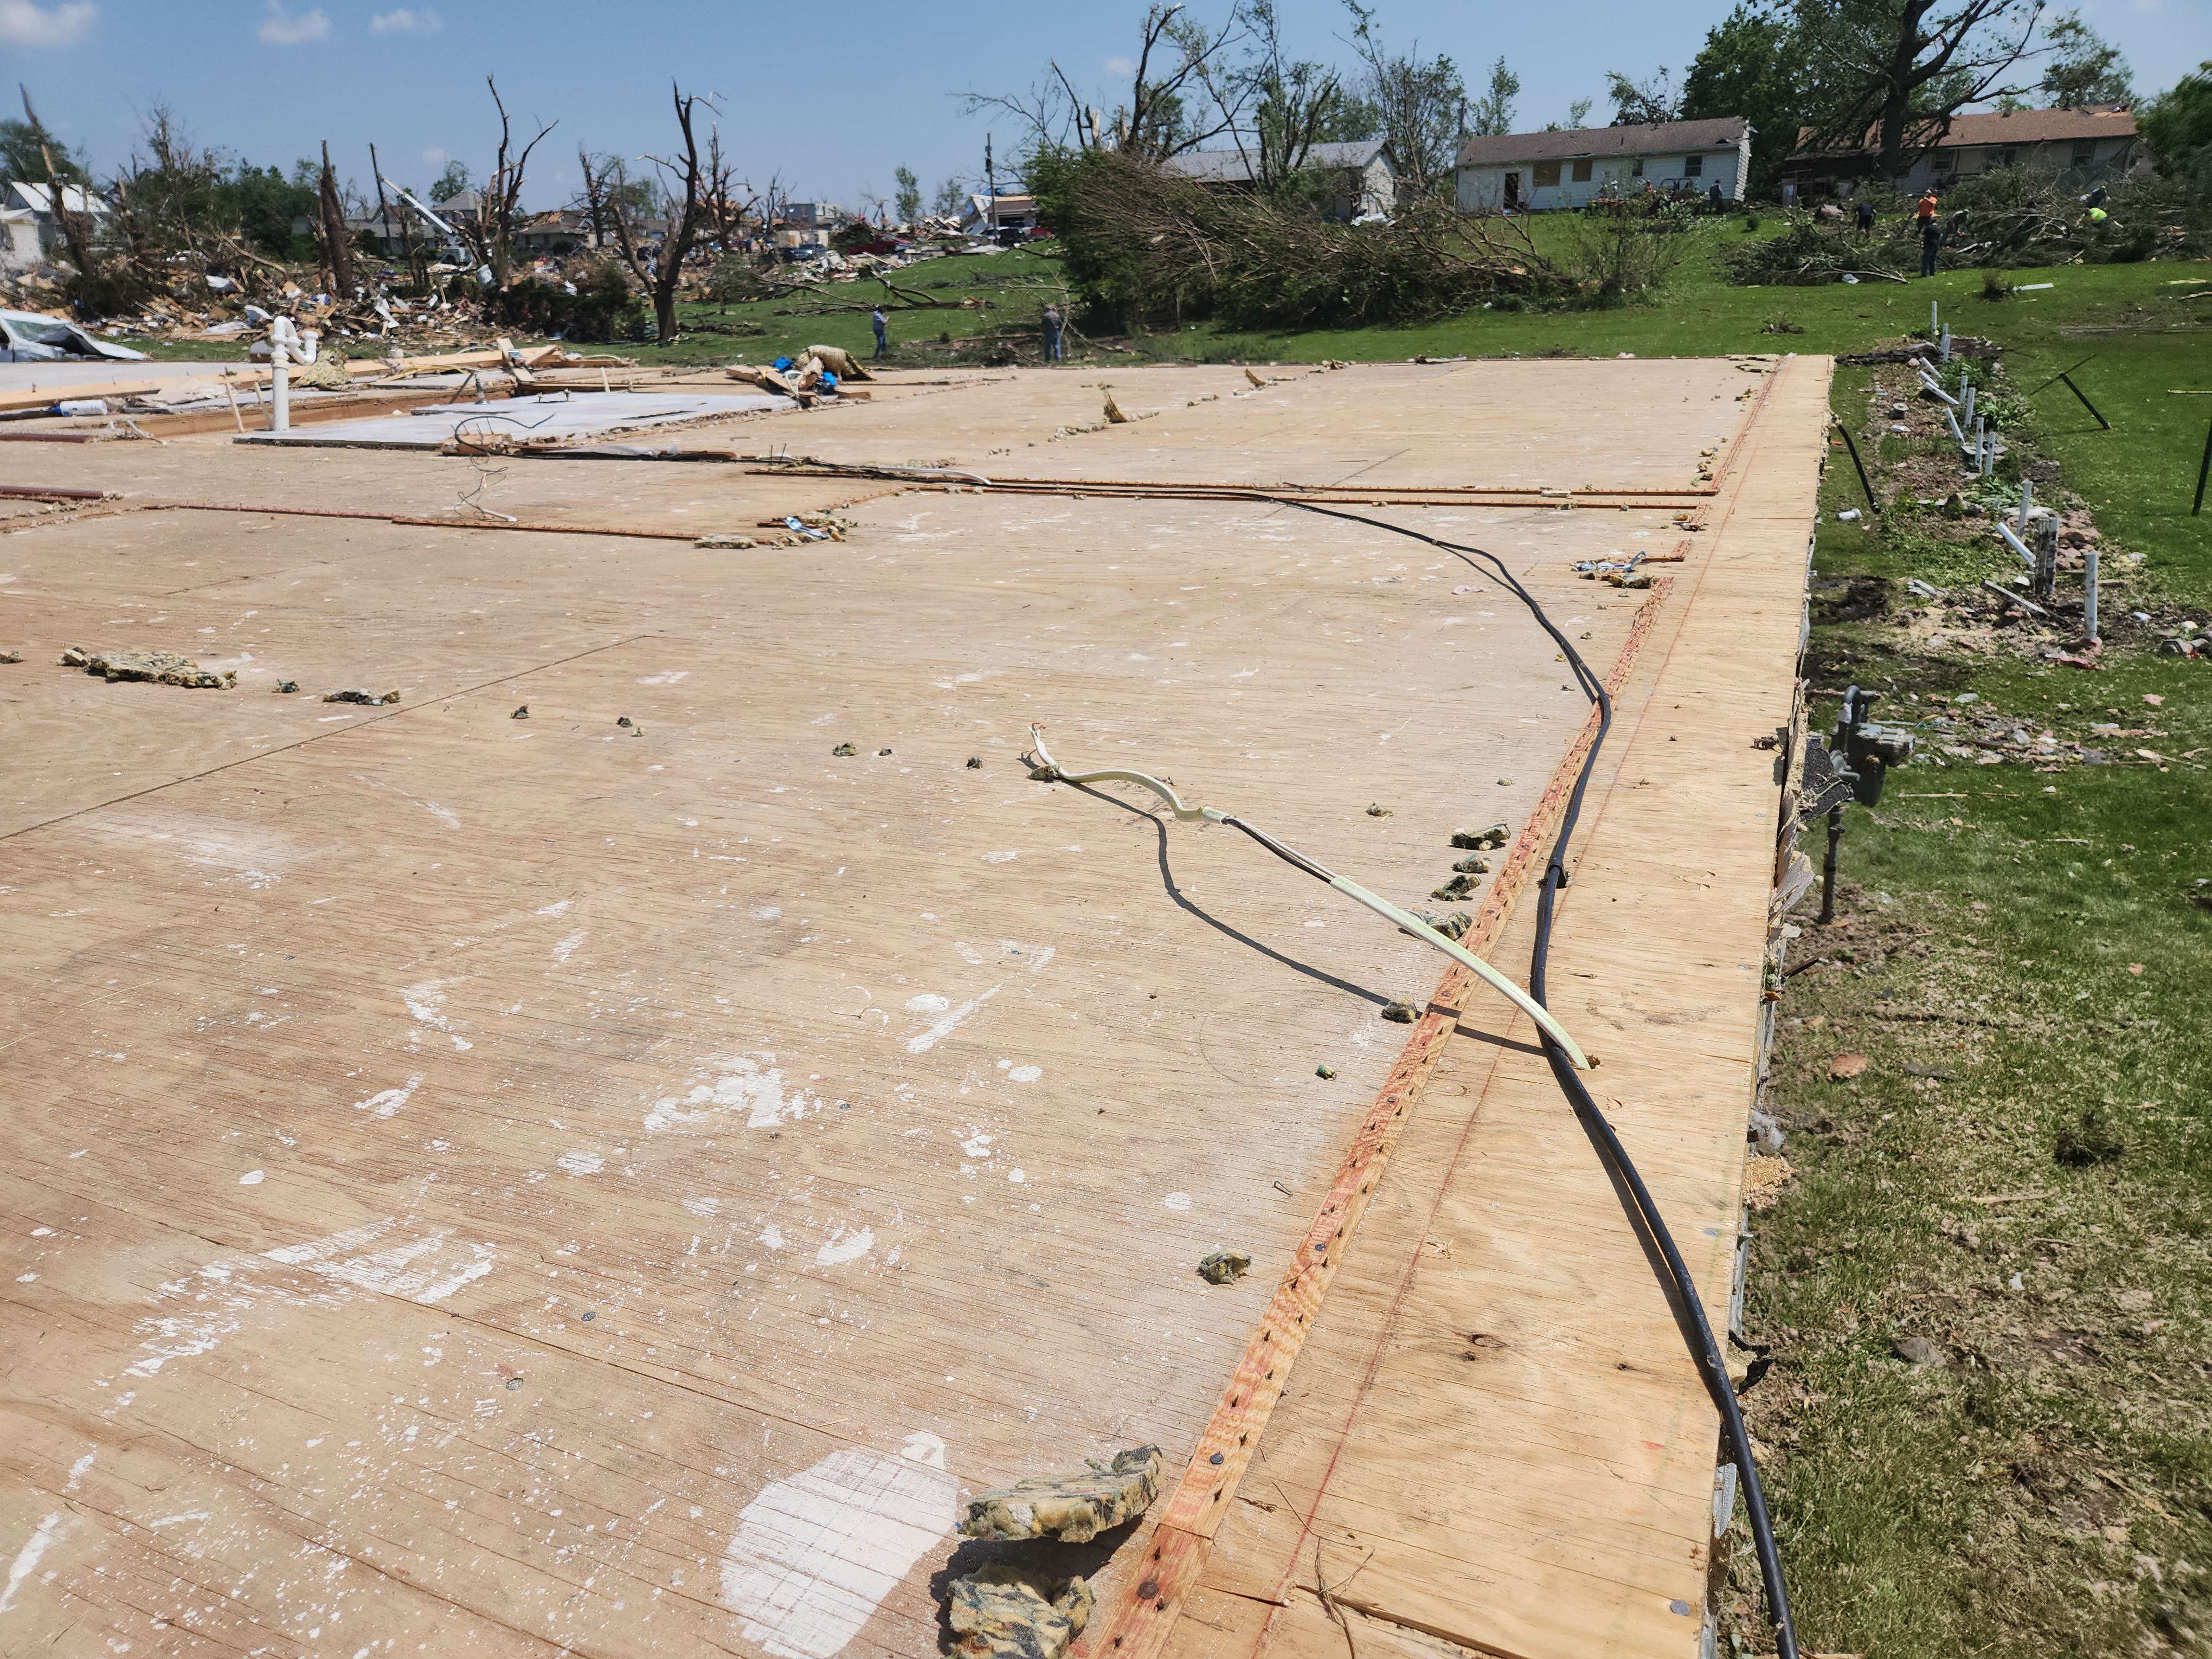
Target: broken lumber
(42, 397)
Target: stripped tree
(490, 232)
(1889, 75)
(1420, 104)
(77, 227)
(337, 241)
(684, 217)
(1176, 53)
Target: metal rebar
(2085, 403)
(1828, 866)
(1873, 506)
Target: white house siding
(19, 239)
(1482, 189)
(1378, 187)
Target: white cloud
(281, 28)
(438, 158)
(1120, 66)
(407, 19)
(23, 24)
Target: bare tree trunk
(76, 232)
(683, 225)
(601, 193)
(593, 208)
(337, 245)
(496, 236)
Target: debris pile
(160, 667)
(1974, 735)
(819, 371)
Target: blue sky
(830, 96)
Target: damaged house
(1355, 179)
(31, 231)
(2076, 147)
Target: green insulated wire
(1404, 920)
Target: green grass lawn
(2019, 1177)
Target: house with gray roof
(1532, 171)
(1357, 179)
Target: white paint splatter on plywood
(815, 1554)
(27, 1559)
(721, 1088)
(947, 1023)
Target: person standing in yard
(1866, 217)
(1931, 233)
(1052, 324)
(881, 324)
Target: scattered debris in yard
(1400, 1013)
(1917, 1351)
(1072, 1508)
(844, 749)
(356, 694)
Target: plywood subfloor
(1544, 423)
(471, 1182)
(1494, 1438)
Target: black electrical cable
(1712, 1366)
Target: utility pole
(991, 185)
(384, 221)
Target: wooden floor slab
(1495, 1437)
(550, 1185)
